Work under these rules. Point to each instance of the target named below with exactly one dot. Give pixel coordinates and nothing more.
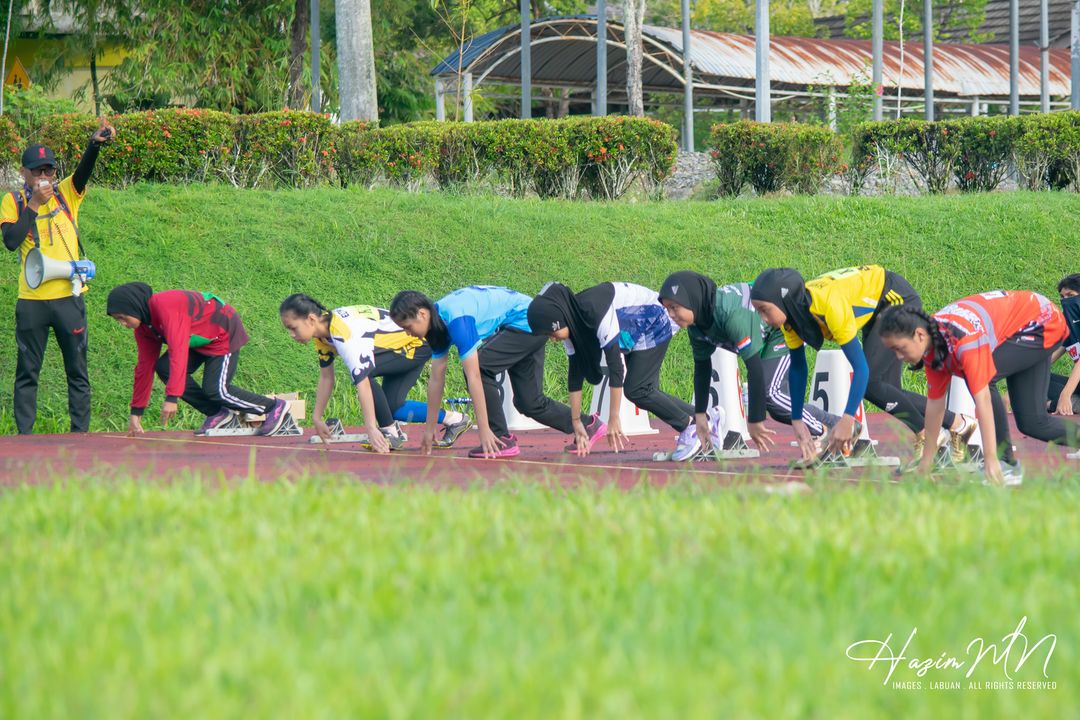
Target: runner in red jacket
(200, 330)
(997, 335)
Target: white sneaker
(688, 445)
(1073, 455)
(717, 419)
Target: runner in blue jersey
(489, 328)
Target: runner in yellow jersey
(371, 345)
(835, 307)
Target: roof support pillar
(877, 52)
(688, 81)
(762, 85)
(526, 60)
(928, 58)
(600, 103)
(1014, 57)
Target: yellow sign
(18, 76)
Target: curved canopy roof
(563, 53)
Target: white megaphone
(39, 268)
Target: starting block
(515, 421)
(338, 434)
(725, 394)
(239, 425)
(961, 403)
(832, 383)
(635, 421)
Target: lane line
(433, 457)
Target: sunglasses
(48, 170)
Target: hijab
(557, 307)
(785, 288)
(130, 299)
(694, 292)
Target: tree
(301, 24)
(231, 56)
(633, 18)
(356, 61)
(94, 24)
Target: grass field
(328, 598)
(347, 247)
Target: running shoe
(688, 445)
(510, 449)
(275, 418)
(221, 417)
(959, 441)
(452, 431)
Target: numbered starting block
(635, 421)
(832, 383)
(725, 394)
(241, 424)
(338, 434)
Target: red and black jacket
(186, 321)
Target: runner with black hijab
(724, 318)
(627, 326)
(200, 330)
(835, 307)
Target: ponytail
(302, 305)
(903, 320)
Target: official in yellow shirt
(45, 214)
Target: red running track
(168, 455)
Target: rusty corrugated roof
(564, 51)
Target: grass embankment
(346, 247)
(336, 599)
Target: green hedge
(774, 156)
(571, 158)
(592, 157)
(976, 154)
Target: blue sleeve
(463, 334)
(854, 353)
(797, 377)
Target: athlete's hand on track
(135, 425)
(321, 429)
(993, 470)
(581, 437)
(616, 438)
(377, 440)
(168, 412)
(701, 422)
(805, 440)
(427, 442)
(842, 436)
(1064, 405)
(490, 443)
(760, 435)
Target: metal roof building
(563, 55)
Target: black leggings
(642, 387)
(884, 386)
(217, 390)
(1026, 371)
(399, 374)
(778, 401)
(521, 355)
